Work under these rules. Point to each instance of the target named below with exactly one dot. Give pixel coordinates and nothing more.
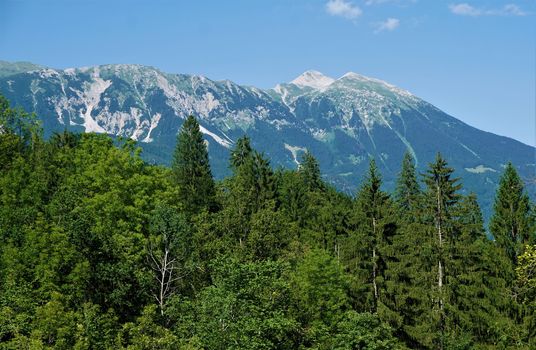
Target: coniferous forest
(100, 250)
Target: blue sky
(473, 59)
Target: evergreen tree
(374, 230)
(326, 222)
(253, 184)
(319, 297)
(441, 196)
(87, 228)
(292, 195)
(512, 224)
(310, 172)
(241, 153)
(407, 188)
(252, 188)
(406, 296)
(191, 169)
(265, 181)
(480, 304)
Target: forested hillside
(100, 250)
(344, 122)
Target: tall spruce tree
(440, 199)
(310, 172)
(253, 182)
(405, 294)
(480, 304)
(374, 228)
(265, 181)
(191, 168)
(512, 224)
(251, 188)
(407, 188)
(241, 153)
(292, 196)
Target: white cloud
(389, 24)
(343, 8)
(464, 9)
(512, 9)
(399, 2)
(374, 2)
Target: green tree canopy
(191, 168)
(512, 224)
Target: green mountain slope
(343, 122)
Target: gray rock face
(344, 121)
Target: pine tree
(265, 181)
(251, 189)
(292, 196)
(191, 169)
(310, 172)
(406, 296)
(407, 188)
(440, 199)
(253, 183)
(512, 224)
(374, 228)
(479, 297)
(241, 152)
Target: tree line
(100, 250)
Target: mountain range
(344, 122)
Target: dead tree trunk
(166, 274)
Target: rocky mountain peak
(313, 79)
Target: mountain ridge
(342, 121)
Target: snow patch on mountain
(135, 116)
(345, 121)
(285, 96)
(221, 141)
(210, 102)
(48, 73)
(59, 112)
(169, 90)
(91, 98)
(63, 104)
(408, 146)
(367, 80)
(320, 134)
(281, 91)
(154, 123)
(294, 151)
(198, 103)
(469, 150)
(313, 79)
(279, 123)
(480, 169)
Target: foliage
(191, 169)
(526, 284)
(512, 223)
(100, 250)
